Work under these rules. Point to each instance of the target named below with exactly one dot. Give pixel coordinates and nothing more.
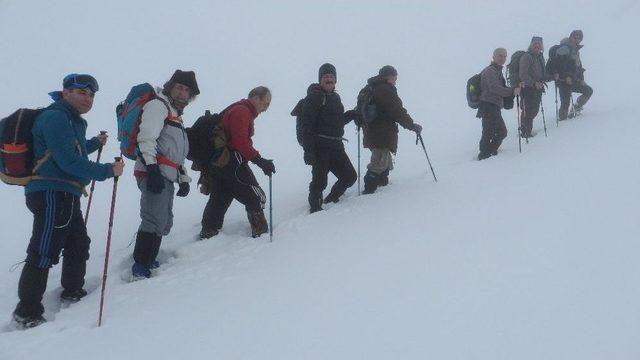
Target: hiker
(381, 135)
(572, 78)
(235, 180)
(533, 77)
(323, 121)
(492, 99)
(61, 150)
(163, 147)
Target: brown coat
(382, 133)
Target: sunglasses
(80, 81)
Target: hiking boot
(494, 152)
(154, 265)
(139, 272)
(370, 182)
(331, 198)
(315, 203)
(563, 114)
(383, 179)
(207, 233)
(482, 155)
(258, 223)
(72, 296)
(28, 322)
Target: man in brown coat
(381, 135)
(532, 75)
(494, 90)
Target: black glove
(183, 190)
(155, 180)
(355, 116)
(416, 128)
(266, 165)
(309, 157)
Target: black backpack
(366, 105)
(208, 142)
(555, 64)
(474, 91)
(297, 112)
(513, 69)
(17, 163)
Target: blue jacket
(61, 130)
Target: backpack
(555, 63)
(297, 112)
(17, 163)
(513, 69)
(473, 91)
(208, 142)
(129, 113)
(366, 106)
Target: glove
(267, 166)
(416, 128)
(353, 115)
(183, 190)
(309, 157)
(155, 180)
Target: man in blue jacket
(54, 198)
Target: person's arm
(310, 110)
(239, 122)
(61, 142)
(154, 113)
(389, 102)
(494, 83)
(93, 144)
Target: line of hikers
(46, 151)
(527, 75)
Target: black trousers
(58, 226)
(530, 105)
(336, 161)
(494, 130)
(566, 90)
(234, 181)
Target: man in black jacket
(323, 120)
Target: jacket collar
(498, 67)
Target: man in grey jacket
(493, 92)
(163, 147)
(532, 76)
(572, 80)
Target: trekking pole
(557, 113)
(106, 256)
(519, 124)
(270, 210)
(573, 107)
(524, 115)
(544, 122)
(419, 138)
(93, 183)
(358, 127)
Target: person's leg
(500, 133)
(381, 161)
(565, 100)
(75, 256)
(586, 91)
(246, 190)
(319, 172)
(340, 165)
(488, 133)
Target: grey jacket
(162, 140)
(568, 49)
(493, 85)
(532, 69)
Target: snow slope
(527, 256)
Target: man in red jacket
(236, 180)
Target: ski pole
(93, 183)
(573, 107)
(524, 115)
(359, 192)
(519, 124)
(106, 256)
(557, 113)
(419, 138)
(270, 209)
(544, 122)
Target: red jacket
(237, 123)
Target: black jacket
(323, 119)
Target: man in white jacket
(163, 146)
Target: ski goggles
(80, 81)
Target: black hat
(577, 33)
(326, 69)
(388, 70)
(187, 78)
(536, 39)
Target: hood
(376, 80)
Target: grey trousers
(381, 161)
(156, 210)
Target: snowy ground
(522, 256)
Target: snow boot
(258, 222)
(207, 233)
(315, 203)
(383, 180)
(139, 272)
(371, 182)
(28, 322)
(72, 296)
(482, 155)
